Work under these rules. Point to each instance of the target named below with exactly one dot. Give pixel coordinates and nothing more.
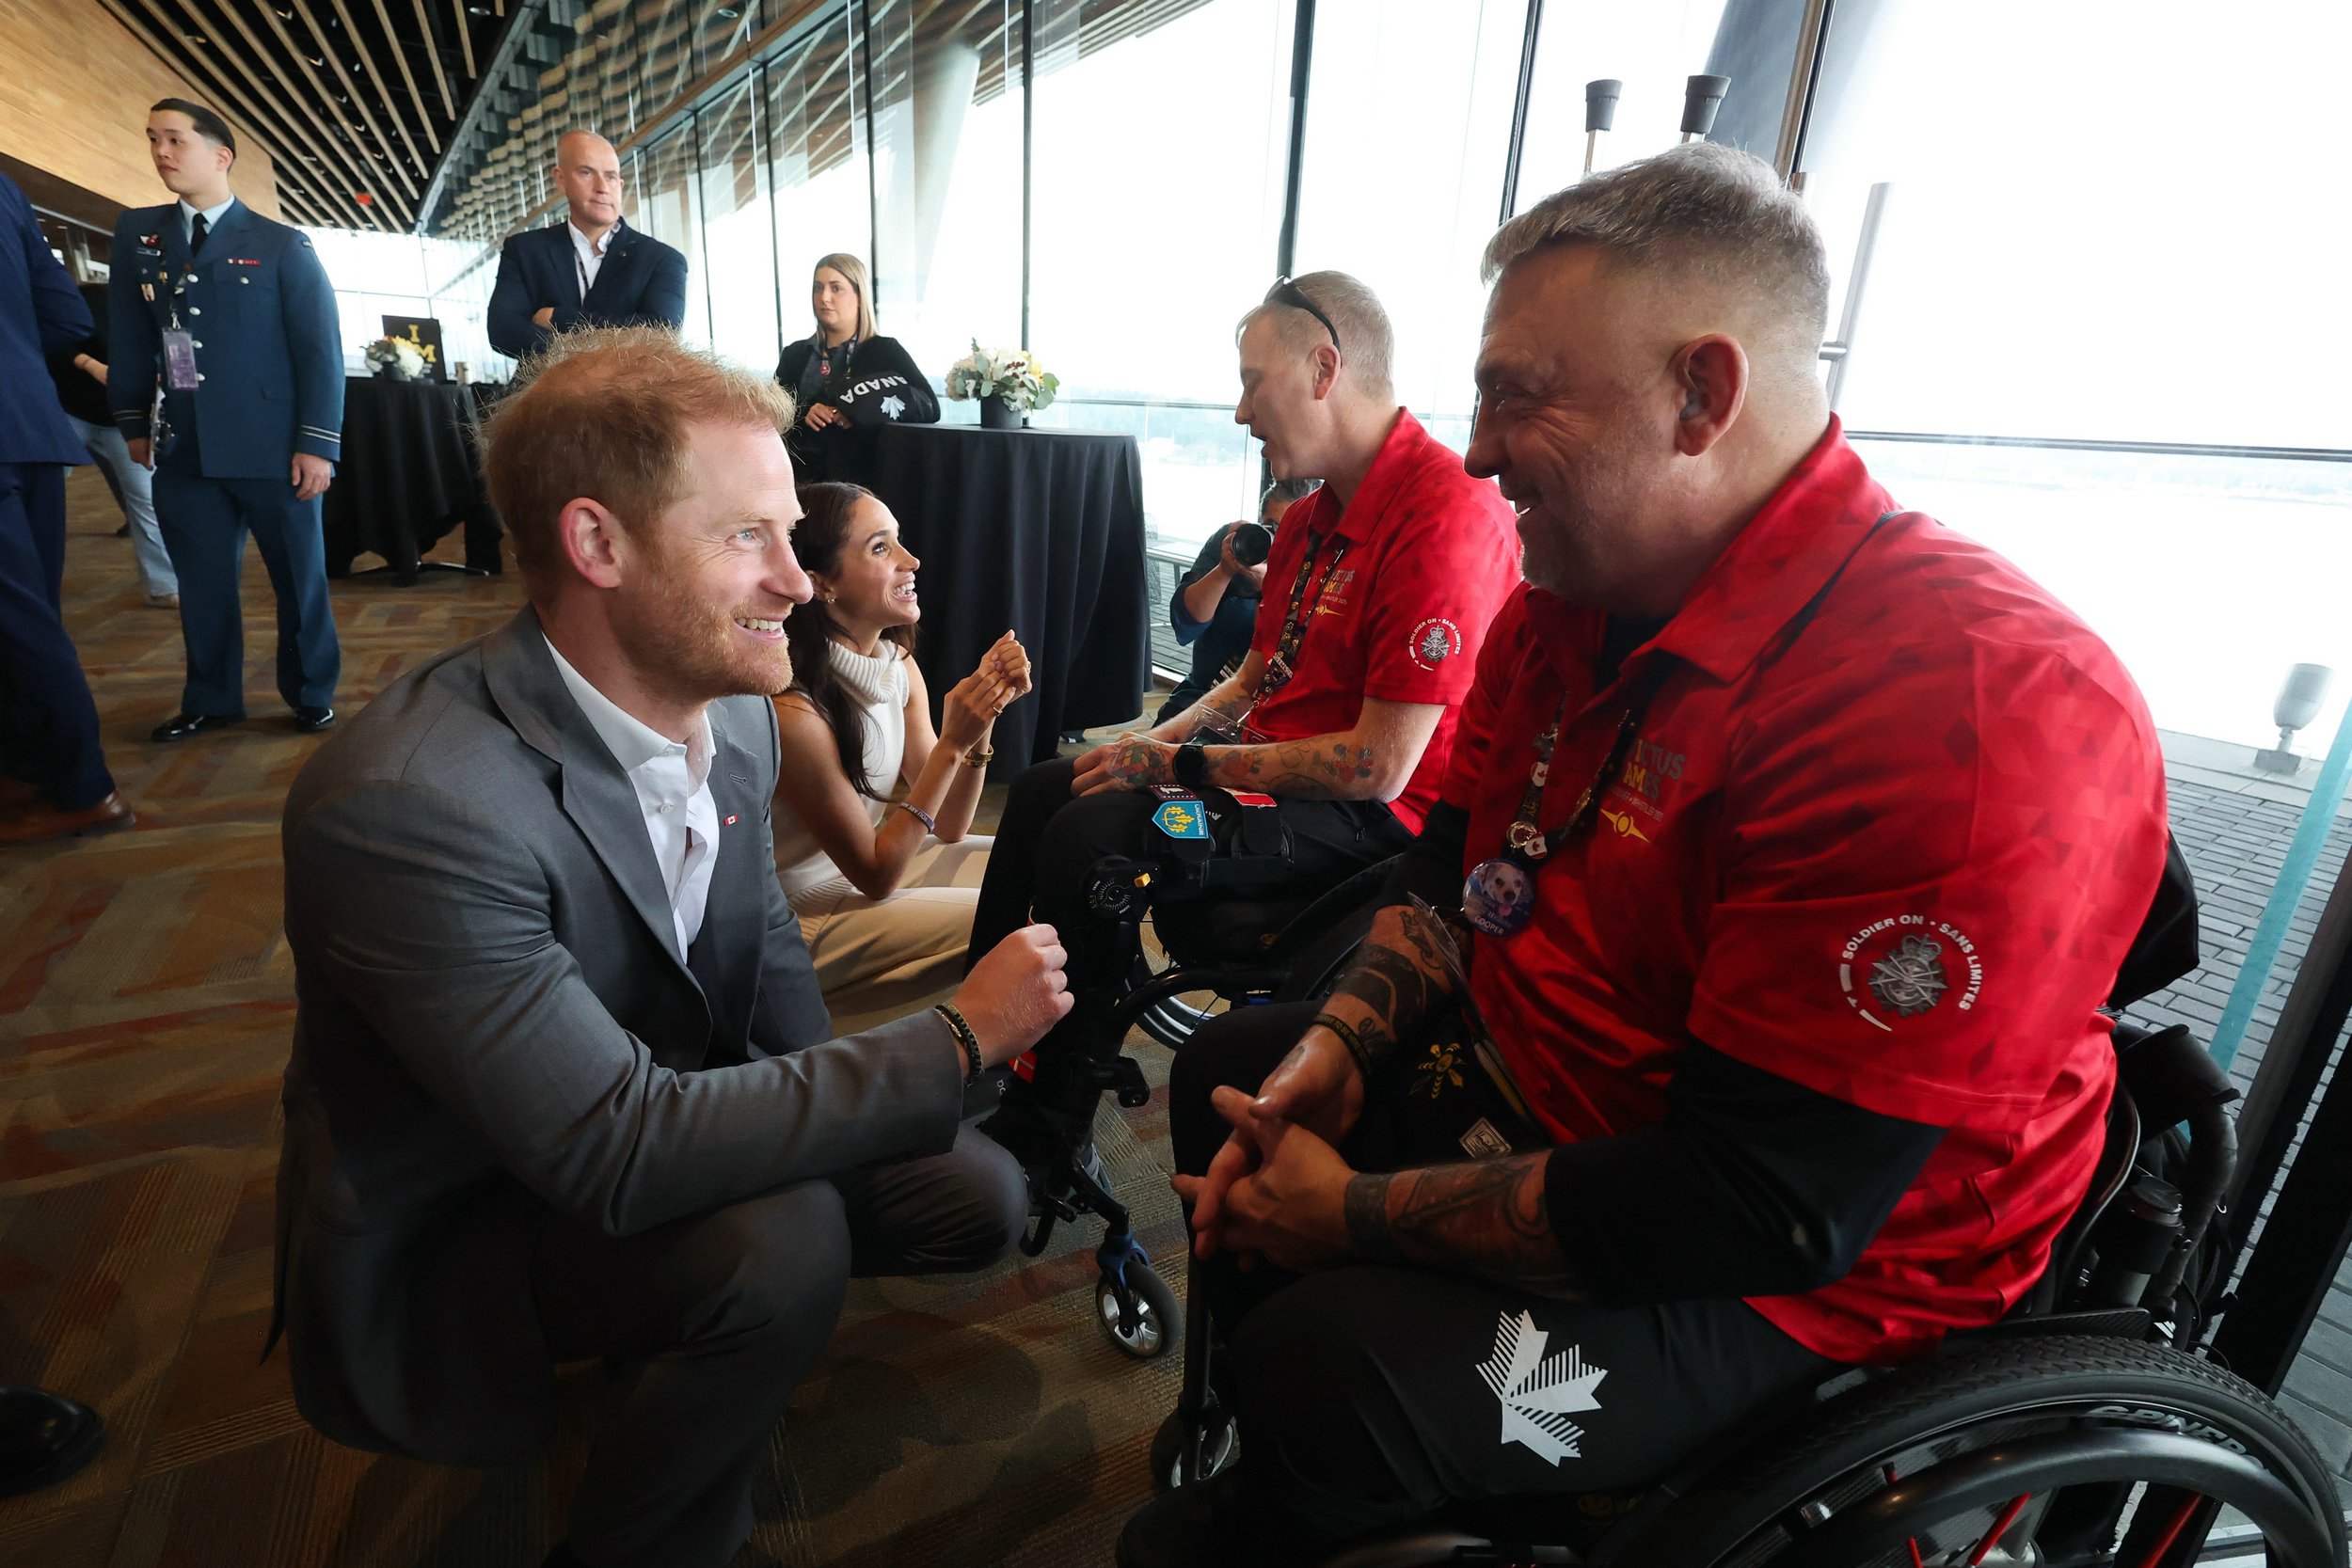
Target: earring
(831, 596)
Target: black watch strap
(1191, 765)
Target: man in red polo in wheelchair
(1736, 1017)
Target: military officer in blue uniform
(232, 316)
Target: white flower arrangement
(397, 353)
(1013, 374)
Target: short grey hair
(1710, 210)
(1366, 342)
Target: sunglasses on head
(1287, 293)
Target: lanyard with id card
(180, 360)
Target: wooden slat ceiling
(365, 101)
(356, 99)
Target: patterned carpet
(145, 1001)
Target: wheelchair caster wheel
(1158, 1321)
(1220, 1443)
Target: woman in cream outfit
(883, 888)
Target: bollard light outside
(2299, 703)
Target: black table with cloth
(1037, 530)
(409, 473)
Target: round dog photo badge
(1498, 897)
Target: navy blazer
(40, 312)
(269, 348)
(642, 282)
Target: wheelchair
(1231, 937)
(2086, 1429)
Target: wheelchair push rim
(2014, 1459)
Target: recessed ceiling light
(729, 13)
(196, 37)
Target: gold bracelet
(976, 757)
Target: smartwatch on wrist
(1191, 765)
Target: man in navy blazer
(52, 774)
(233, 315)
(590, 270)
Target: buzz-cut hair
(1699, 209)
(1366, 343)
(606, 412)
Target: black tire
(1751, 1510)
(1221, 1445)
(1161, 1321)
(1173, 1020)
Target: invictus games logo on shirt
(1434, 641)
(1907, 964)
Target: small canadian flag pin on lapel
(728, 823)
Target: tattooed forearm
(1488, 1218)
(1398, 977)
(1320, 767)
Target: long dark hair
(819, 541)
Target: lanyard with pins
(1499, 895)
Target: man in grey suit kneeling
(560, 1084)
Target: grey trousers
(706, 1324)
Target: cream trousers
(880, 961)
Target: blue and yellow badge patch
(1182, 819)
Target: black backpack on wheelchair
(2085, 1429)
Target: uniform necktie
(195, 234)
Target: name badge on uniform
(180, 360)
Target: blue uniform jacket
(642, 282)
(269, 353)
(40, 312)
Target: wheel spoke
(2009, 1517)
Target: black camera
(1251, 543)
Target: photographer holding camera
(1214, 607)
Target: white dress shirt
(590, 254)
(212, 218)
(673, 784)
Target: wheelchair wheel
(1159, 1321)
(1988, 1454)
(1219, 1445)
(1173, 1020)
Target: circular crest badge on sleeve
(1434, 641)
(1905, 965)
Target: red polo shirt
(1894, 855)
(1431, 554)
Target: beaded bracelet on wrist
(962, 1029)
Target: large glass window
(664, 203)
(738, 238)
(1409, 124)
(1146, 250)
(2031, 282)
(1653, 49)
(946, 112)
(818, 166)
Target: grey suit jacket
(493, 1019)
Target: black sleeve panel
(1752, 1186)
(1433, 866)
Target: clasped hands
(1276, 1192)
(972, 703)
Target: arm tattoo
(1320, 767)
(1489, 1218)
(1225, 701)
(1397, 978)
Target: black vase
(996, 414)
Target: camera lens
(1251, 541)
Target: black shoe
(310, 721)
(181, 726)
(44, 1439)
